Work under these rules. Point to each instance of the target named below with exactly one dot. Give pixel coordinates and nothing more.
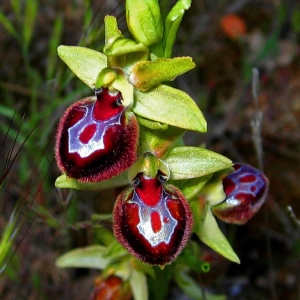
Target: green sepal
(171, 106)
(148, 74)
(94, 257)
(144, 20)
(158, 141)
(85, 63)
(207, 229)
(191, 162)
(66, 182)
(172, 23)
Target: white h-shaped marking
(168, 223)
(96, 142)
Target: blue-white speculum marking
(96, 141)
(168, 223)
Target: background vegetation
(226, 39)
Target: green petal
(171, 106)
(191, 162)
(66, 182)
(206, 227)
(85, 63)
(148, 74)
(89, 257)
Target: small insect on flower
(246, 190)
(97, 137)
(152, 220)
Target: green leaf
(191, 162)
(270, 48)
(66, 182)
(54, 42)
(172, 23)
(85, 63)
(171, 106)
(296, 20)
(16, 6)
(148, 74)
(6, 23)
(31, 10)
(207, 229)
(138, 284)
(88, 257)
(8, 236)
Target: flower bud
(111, 288)
(246, 190)
(96, 138)
(144, 20)
(152, 220)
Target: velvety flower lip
(96, 138)
(246, 190)
(152, 220)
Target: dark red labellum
(96, 138)
(152, 221)
(246, 190)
